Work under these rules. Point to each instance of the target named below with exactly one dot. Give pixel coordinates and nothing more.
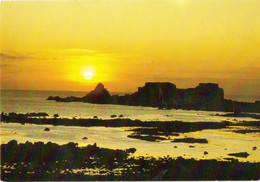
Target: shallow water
(221, 141)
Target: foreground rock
(92, 163)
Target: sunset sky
(73, 45)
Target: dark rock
(37, 114)
(231, 159)
(50, 98)
(205, 152)
(131, 150)
(47, 129)
(84, 138)
(165, 130)
(175, 134)
(254, 148)
(154, 94)
(121, 115)
(56, 115)
(170, 128)
(246, 131)
(47, 162)
(43, 114)
(190, 140)
(150, 138)
(95, 117)
(113, 116)
(241, 154)
(192, 146)
(66, 99)
(99, 96)
(206, 96)
(165, 95)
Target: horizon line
(3, 89)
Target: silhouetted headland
(165, 95)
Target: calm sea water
(221, 141)
(34, 101)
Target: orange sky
(125, 43)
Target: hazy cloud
(5, 56)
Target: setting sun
(88, 75)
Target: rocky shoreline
(72, 163)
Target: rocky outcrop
(206, 96)
(154, 95)
(66, 99)
(239, 107)
(191, 140)
(165, 95)
(99, 96)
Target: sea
(221, 141)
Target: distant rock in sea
(67, 99)
(98, 96)
(165, 95)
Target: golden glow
(88, 75)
